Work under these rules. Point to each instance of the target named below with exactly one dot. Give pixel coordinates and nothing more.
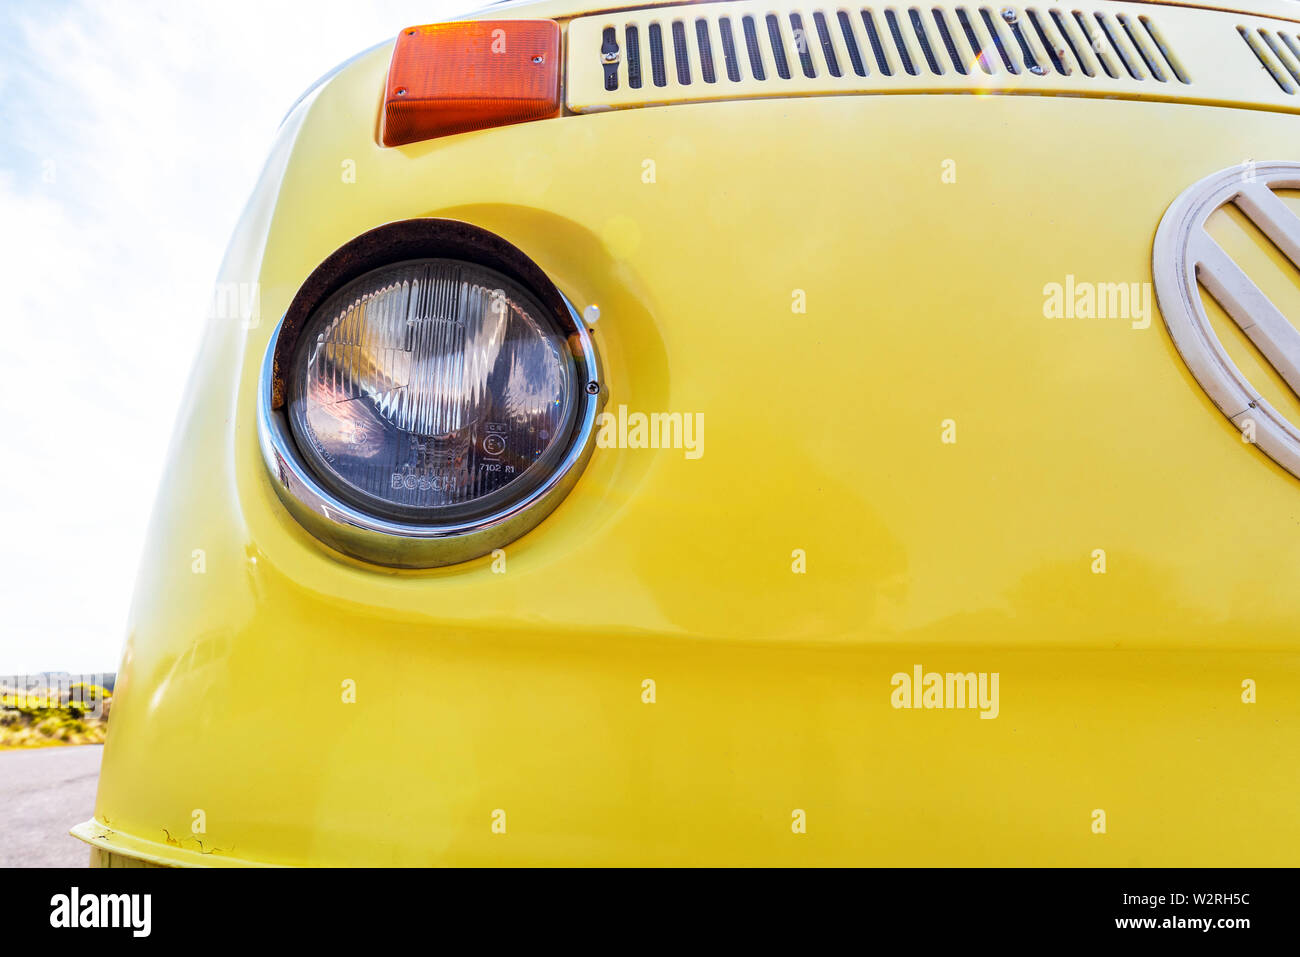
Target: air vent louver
(1278, 52)
(738, 49)
(1000, 39)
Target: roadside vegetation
(77, 714)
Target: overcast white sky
(131, 134)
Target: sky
(131, 134)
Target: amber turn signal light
(454, 77)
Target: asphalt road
(43, 792)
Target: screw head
(593, 387)
(400, 91)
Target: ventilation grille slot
(894, 41)
(1278, 53)
(741, 49)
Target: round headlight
(432, 391)
(419, 409)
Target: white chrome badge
(1185, 257)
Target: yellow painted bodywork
(522, 692)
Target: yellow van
(726, 433)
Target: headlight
(435, 408)
(432, 391)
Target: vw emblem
(1185, 258)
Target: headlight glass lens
(432, 391)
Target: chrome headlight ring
(351, 529)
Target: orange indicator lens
(453, 77)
